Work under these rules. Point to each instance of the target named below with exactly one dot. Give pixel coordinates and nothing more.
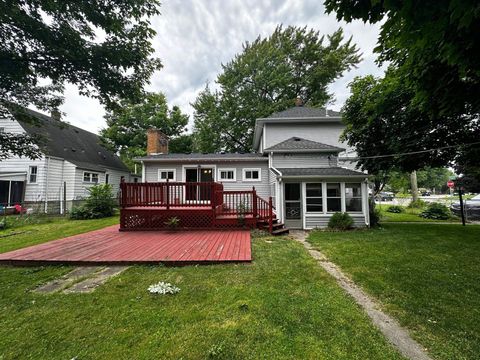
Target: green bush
(100, 203)
(340, 221)
(436, 211)
(417, 204)
(374, 214)
(396, 209)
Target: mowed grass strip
(424, 275)
(281, 306)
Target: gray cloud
(194, 37)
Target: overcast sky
(194, 37)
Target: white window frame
(90, 181)
(341, 197)
(167, 170)
(306, 197)
(353, 197)
(226, 170)
(30, 174)
(244, 171)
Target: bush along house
(298, 177)
(72, 161)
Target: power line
(410, 153)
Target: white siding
(321, 221)
(295, 160)
(262, 186)
(54, 178)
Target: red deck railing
(178, 195)
(170, 194)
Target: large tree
(433, 43)
(103, 47)
(128, 123)
(391, 131)
(268, 76)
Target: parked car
(385, 196)
(426, 193)
(472, 208)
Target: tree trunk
(413, 185)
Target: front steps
(278, 228)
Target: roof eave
(331, 151)
(200, 159)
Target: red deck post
(168, 195)
(254, 202)
(270, 214)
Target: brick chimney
(157, 142)
(298, 101)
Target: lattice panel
(149, 219)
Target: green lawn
(410, 215)
(427, 276)
(282, 306)
(36, 231)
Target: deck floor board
(109, 245)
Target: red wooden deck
(109, 246)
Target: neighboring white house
(73, 160)
(299, 161)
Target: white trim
(343, 205)
(219, 176)
(244, 170)
(159, 177)
(143, 172)
(91, 177)
(202, 166)
(303, 198)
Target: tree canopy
(267, 76)
(103, 47)
(127, 126)
(433, 43)
(391, 131)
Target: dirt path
(390, 328)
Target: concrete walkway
(391, 329)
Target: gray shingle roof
(297, 143)
(71, 143)
(304, 112)
(200, 156)
(331, 171)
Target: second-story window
(32, 174)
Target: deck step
(281, 231)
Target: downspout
(278, 192)
(46, 184)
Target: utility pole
(413, 185)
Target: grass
(281, 306)
(410, 215)
(426, 276)
(39, 230)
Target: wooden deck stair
(278, 228)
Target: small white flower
(163, 288)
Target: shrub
(340, 221)
(436, 211)
(100, 203)
(396, 209)
(417, 204)
(172, 222)
(374, 214)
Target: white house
(299, 161)
(73, 160)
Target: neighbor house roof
(78, 146)
(297, 144)
(296, 114)
(304, 112)
(200, 156)
(324, 172)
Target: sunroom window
(334, 197)
(314, 197)
(353, 197)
